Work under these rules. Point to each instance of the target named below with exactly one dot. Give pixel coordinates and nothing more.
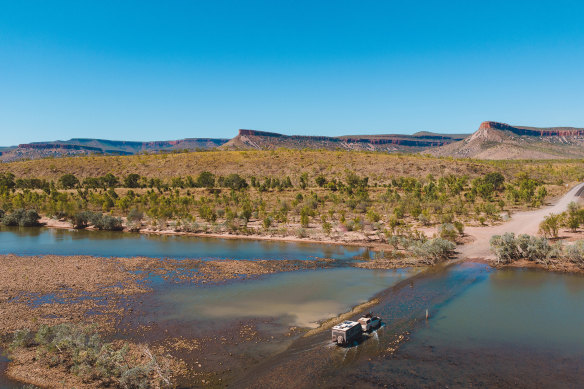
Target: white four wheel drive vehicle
(346, 332)
(369, 322)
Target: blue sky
(153, 70)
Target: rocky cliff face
(252, 139)
(494, 140)
(532, 131)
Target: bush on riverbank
(509, 248)
(102, 222)
(21, 217)
(82, 352)
(433, 250)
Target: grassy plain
(380, 167)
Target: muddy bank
(52, 289)
(110, 293)
(349, 239)
(554, 266)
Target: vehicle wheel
(339, 340)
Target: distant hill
(495, 140)
(245, 140)
(261, 140)
(82, 146)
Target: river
(43, 241)
(486, 327)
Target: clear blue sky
(146, 70)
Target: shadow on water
(43, 241)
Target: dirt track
(520, 223)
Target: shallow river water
(43, 241)
(511, 328)
(300, 298)
(487, 328)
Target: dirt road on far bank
(520, 223)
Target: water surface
(299, 298)
(43, 241)
(512, 328)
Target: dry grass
(378, 166)
(269, 163)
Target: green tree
(132, 180)
(68, 181)
(320, 180)
(109, 181)
(550, 226)
(304, 180)
(305, 216)
(495, 179)
(206, 180)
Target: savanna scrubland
(415, 208)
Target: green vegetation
(83, 353)
(283, 193)
(509, 248)
(432, 251)
(20, 217)
(379, 207)
(572, 219)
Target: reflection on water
(519, 307)
(298, 298)
(42, 241)
(513, 328)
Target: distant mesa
(533, 131)
(87, 146)
(494, 140)
(263, 140)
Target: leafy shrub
(575, 252)
(82, 219)
(206, 180)
(459, 227)
(268, 222)
(373, 216)
(83, 353)
(68, 181)
(320, 180)
(233, 181)
(550, 226)
(132, 180)
(433, 250)
(22, 338)
(505, 247)
(22, 217)
(135, 378)
(533, 248)
(448, 231)
(509, 248)
(135, 215)
(106, 222)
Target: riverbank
(114, 294)
(52, 289)
(354, 239)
